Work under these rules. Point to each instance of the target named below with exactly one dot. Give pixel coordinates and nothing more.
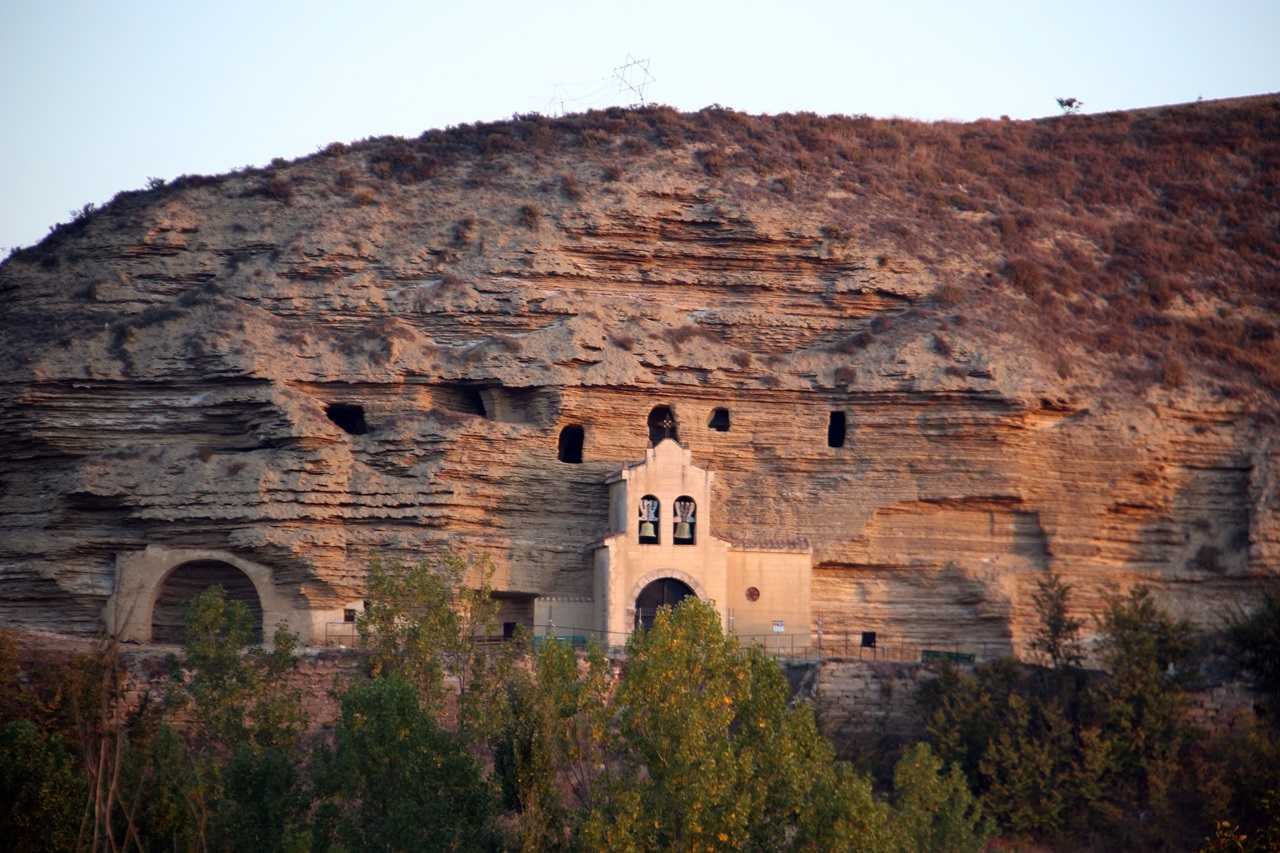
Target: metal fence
(841, 645)
(341, 634)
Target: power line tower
(634, 76)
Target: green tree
(1142, 702)
(1253, 641)
(1024, 765)
(1057, 636)
(424, 622)
(936, 812)
(708, 756)
(554, 725)
(228, 778)
(395, 780)
(41, 794)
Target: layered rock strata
(301, 364)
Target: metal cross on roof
(667, 423)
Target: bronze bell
(647, 530)
(684, 530)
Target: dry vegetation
(1148, 236)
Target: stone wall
(855, 700)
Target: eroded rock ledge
(300, 364)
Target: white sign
(777, 626)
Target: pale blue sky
(98, 96)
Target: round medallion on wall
(752, 593)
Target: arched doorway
(656, 594)
(185, 583)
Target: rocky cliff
(952, 356)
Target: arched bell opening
(185, 583)
(663, 591)
(685, 527)
(650, 520)
(662, 424)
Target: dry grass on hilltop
(1148, 237)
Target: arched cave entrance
(570, 446)
(656, 594)
(662, 424)
(185, 583)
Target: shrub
(1026, 275)
(712, 160)
(464, 231)
(344, 181)
(279, 188)
(530, 216)
(948, 295)
(1175, 373)
(570, 187)
(681, 335)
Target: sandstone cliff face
(378, 347)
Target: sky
(97, 96)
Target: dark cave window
(350, 419)
(571, 444)
(657, 430)
(719, 420)
(835, 430)
(473, 403)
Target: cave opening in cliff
(473, 403)
(349, 418)
(662, 592)
(185, 583)
(571, 438)
(662, 424)
(719, 420)
(836, 428)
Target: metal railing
(342, 634)
(841, 645)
